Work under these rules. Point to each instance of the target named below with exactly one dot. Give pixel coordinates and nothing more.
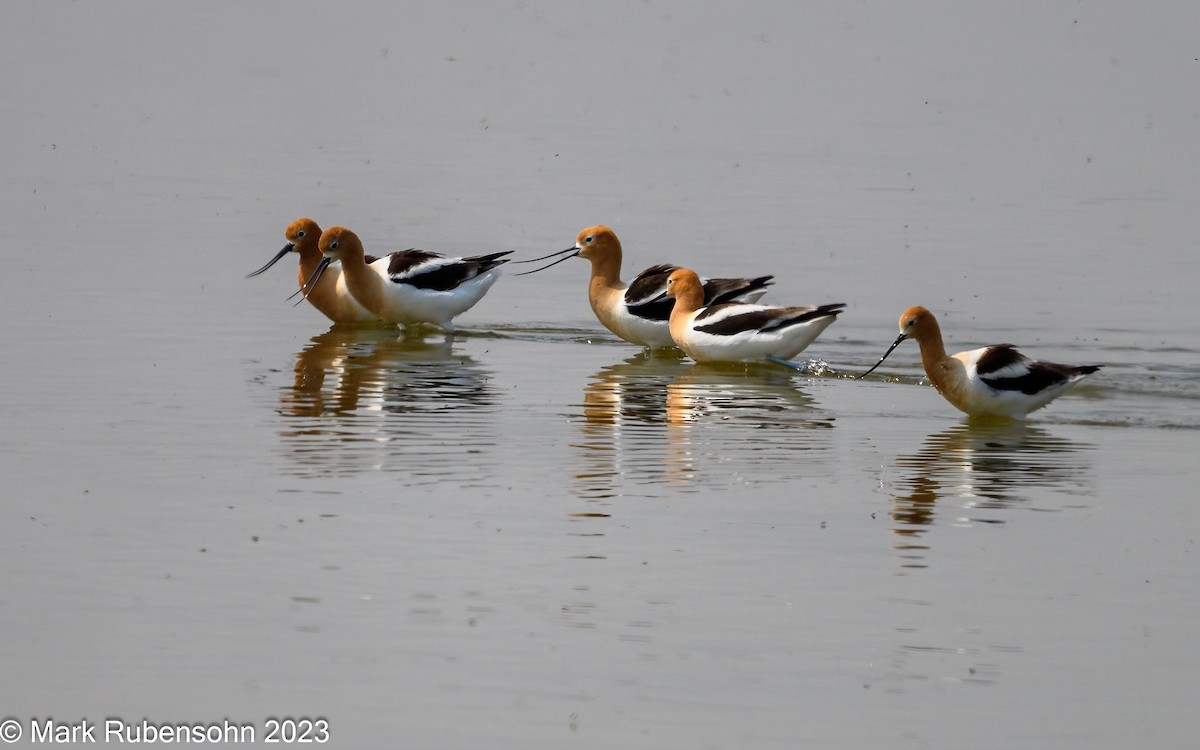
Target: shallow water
(219, 507)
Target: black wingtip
(719, 291)
(491, 260)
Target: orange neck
(310, 258)
(363, 283)
(938, 366)
(689, 297)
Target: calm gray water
(216, 507)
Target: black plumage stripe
(490, 260)
(444, 277)
(644, 297)
(1041, 375)
(766, 320)
(654, 310)
(998, 357)
(406, 260)
(720, 291)
(649, 285)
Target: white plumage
(738, 332)
(639, 311)
(412, 286)
(995, 381)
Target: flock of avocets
(665, 305)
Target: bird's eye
(333, 245)
(300, 234)
(587, 239)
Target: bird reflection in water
(624, 411)
(736, 417)
(980, 466)
(365, 399)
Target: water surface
(218, 505)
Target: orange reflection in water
(977, 467)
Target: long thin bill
(543, 268)
(891, 349)
(286, 249)
(312, 279)
(551, 255)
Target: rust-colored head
(681, 281)
(303, 231)
(684, 285)
(598, 242)
(301, 235)
(336, 243)
(916, 323)
(339, 243)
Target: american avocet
(638, 312)
(411, 286)
(329, 294)
(991, 381)
(737, 331)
